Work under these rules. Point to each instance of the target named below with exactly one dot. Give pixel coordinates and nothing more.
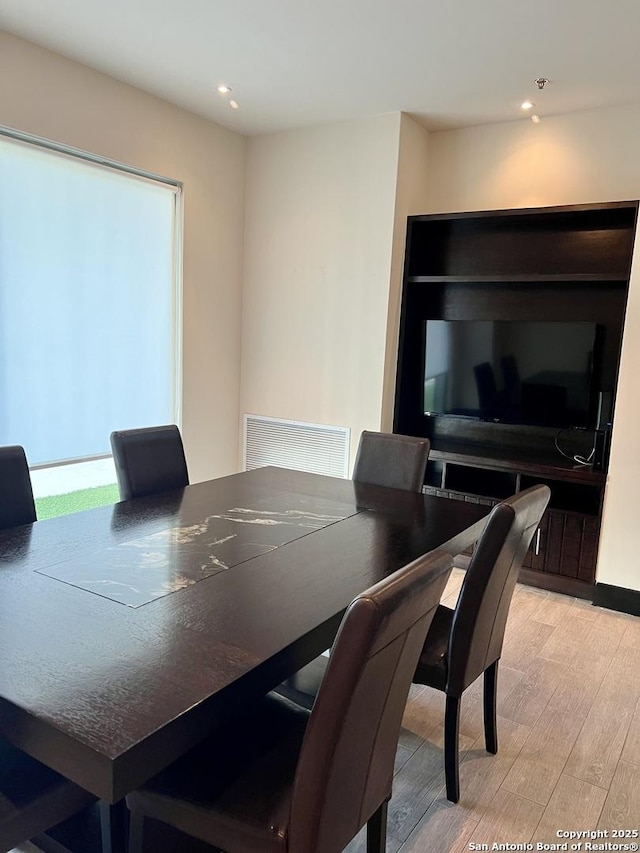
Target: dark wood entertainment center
(560, 264)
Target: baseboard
(617, 598)
(557, 583)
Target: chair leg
(490, 708)
(451, 727)
(136, 831)
(377, 830)
(106, 828)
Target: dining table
(130, 632)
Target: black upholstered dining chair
(383, 459)
(149, 460)
(16, 496)
(388, 459)
(282, 779)
(34, 798)
(464, 643)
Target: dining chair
(16, 495)
(464, 643)
(34, 798)
(388, 459)
(149, 460)
(383, 459)
(282, 780)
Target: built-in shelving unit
(548, 264)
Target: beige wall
(49, 96)
(583, 157)
(570, 159)
(319, 227)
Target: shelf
(484, 479)
(577, 498)
(481, 482)
(601, 278)
(534, 464)
(614, 210)
(581, 245)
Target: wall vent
(317, 448)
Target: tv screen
(511, 372)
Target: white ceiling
(292, 63)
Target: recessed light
(234, 105)
(224, 89)
(527, 105)
(535, 119)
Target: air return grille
(317, 448)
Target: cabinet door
(589, 552)
(571, 546)
(567, 545)
(553, 548)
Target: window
(89, 301)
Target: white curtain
(87, 303)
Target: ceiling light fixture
(535, 119)
(541, 82)
(234, 105)
(527, 105)
(224, 89)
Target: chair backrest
(16, 496)
(483, 604)
(396, 461)
(510, 373)
(487, 389)
(345, 766)
(149, 460)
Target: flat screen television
(535, 373)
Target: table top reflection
(147, 567)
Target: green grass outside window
(55, 505)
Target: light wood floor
(568, 736)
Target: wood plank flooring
(568, 736)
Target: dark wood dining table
(129, 632)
